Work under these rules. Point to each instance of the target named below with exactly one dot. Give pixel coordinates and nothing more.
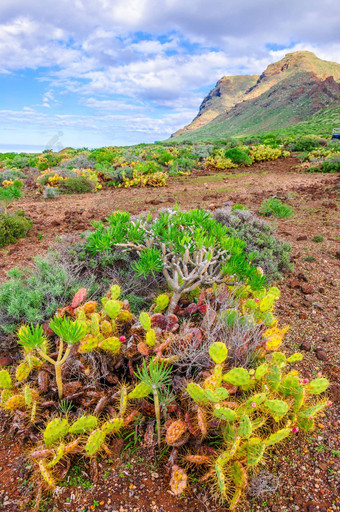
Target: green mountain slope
(288, 92)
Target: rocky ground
(300, 476)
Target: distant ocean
(20, 148)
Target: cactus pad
(15, 402)
(22, 372)
(317, 386)
(162, 302)
(245, 427)
(224, 413)
(150, 338)
(115, 291)
(196, 392)
(237, 377)
(55, 430)
(277, 408)
(255, 449)
(178, 481)
(112, 345)
(5, 380)
(175, 431)
(88, 344)
(95, 442)
(273, 377)
(145, 321)
(278, 436)
(261, 371)
(112, 308)
(218, 352)
(46, 474)
(83, 425)
(198, 459)
(140, 391)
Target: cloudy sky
(105, 72)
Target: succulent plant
(55, 430)
(5, 380)
(83, 425)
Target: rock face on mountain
(287, 92)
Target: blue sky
(127, 71)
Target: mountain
(287, 92)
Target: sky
(118, 72)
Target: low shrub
(76, 185)
(13, 226)
(238, 156)
(11, 174)
(331, 165)
(273, 206)
(262, 247)
(307, 143)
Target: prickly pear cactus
(273, 377)
(317, 386)
(59, 453)
(95, 442)
(112, 308)
(5, 380)
(178, 481)
(83, 425)
(150, 338)
(112, 426)
(277, 408)
(55, 430)
(224, 413)
(278, 436)
(218, 395)
(140, 391)
(115, 291)
(175, 431)
(145, 321)
(237, 377)
(218, 352)
(88, 344)
(15, 402)
(196, 392)
(112, 345)
(245, 427)
(255, 449)
(22, 372)
(162, 302)
(46, 474)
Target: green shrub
(262, 247)
(11, 174)
(306, 143)
(238, 156)
(181, 165)
(33, 295)
(76, 185)
(239, 206)
(318, 238)
(10, 194)
(273, 206)
(20, 161)
(13, 226)
(331, 165)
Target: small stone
(321, 354)
(307, 289)
(294, 283)
(6, 360)
(301, 237)
(306, 346)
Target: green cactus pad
(22, 371)
(255, 449)
(258, 422)
(238, 474)
(162, 303)
(5, 380)
(196, 392)
(112, 426)
(83, 425)
(261, 371)
(216, 396)
(112, 308)
(28, 395)
(145, 321)
(295, 358)
(256, 400)
(115, 291)
(277, 408)
(289, 385)
(273, 377)
(123, 401)
(140, 391)
(88, 344)
(95, 442)
(95, 319)
(279, 359)
(112, 345)
(299, 398)
(59, 453)
(306, 424)
(237, 377)
(278, 436)
(224, 413)
(55, 430)
(150, 338)
(317, 386)
(218, 352)
(245, 427)
(312, 411)
(221, 480)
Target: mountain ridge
(287, 92)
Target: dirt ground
(301, 476)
